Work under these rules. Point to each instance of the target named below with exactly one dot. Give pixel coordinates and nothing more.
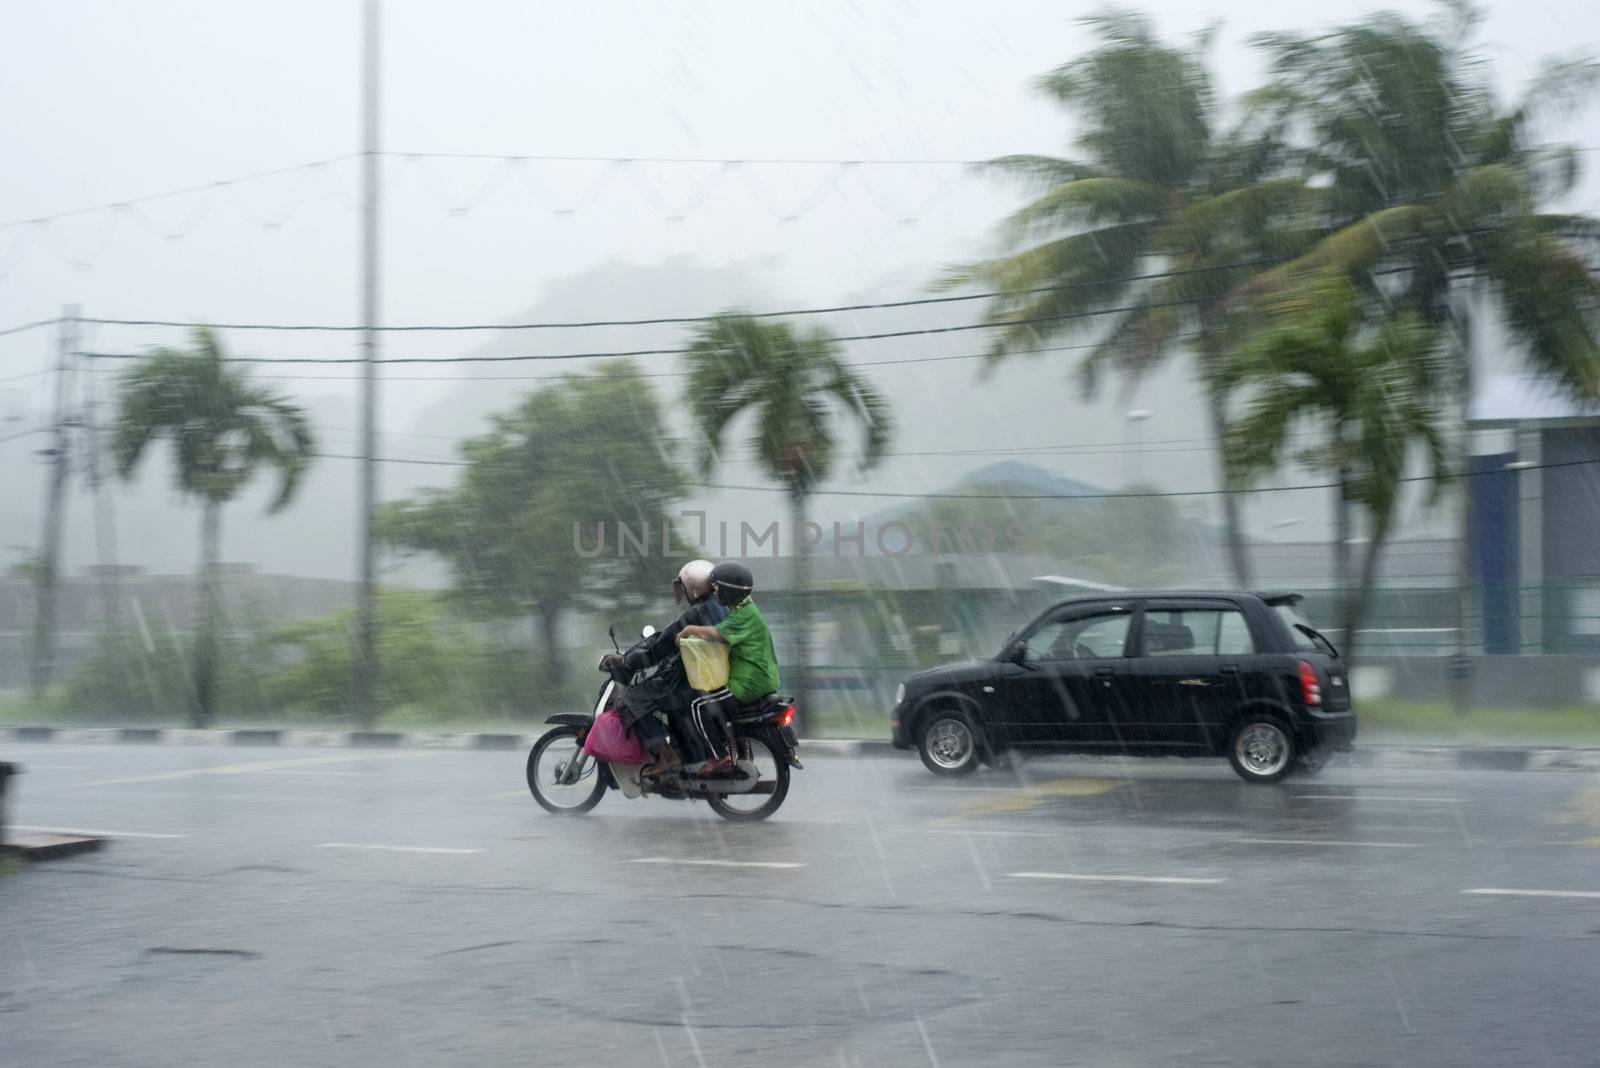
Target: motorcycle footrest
(701, 787)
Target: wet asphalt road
(333, 907)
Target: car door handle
(1104, 672)
(1229, 669)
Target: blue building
(1534, 519)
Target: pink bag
(611, 740)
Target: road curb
(1466, 758)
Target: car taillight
(1310, 688)
(787, 718)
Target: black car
(1195, 674)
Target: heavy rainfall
(826, 534)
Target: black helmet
(732, 581)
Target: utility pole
(366, 609)
(105, 530)
(1460, 670)
(44, 625)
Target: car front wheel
(1262, 749)
(948, 743)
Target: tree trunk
(208, 616)
(1344, 592)
(798, 680)
(555, 664)
(1356, 603)
(1238, 554)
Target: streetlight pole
(43, 668)
(1132, 465)
(366, 609)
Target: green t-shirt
(752, 663)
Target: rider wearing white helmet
(693, 581)
(668, 689)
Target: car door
(1062, 689)
(1188, 671)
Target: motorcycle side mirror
(612, 630)
(648, 630)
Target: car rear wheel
(948, 743)
(1262, 749)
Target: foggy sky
(107, 101)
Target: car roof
(1271, 597)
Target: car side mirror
(648, 631)
(1015, 652)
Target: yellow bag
(706, 663)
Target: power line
(24, 327)
(392, 459)
(221, 183)
(1129, 495)
(732, 162)
(684, 320)
(31, 374)
(556, 377)
(634, 353)
(755, 162)
(20, 434)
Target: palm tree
(1372, 394)
(798, 388)
(1434, 192)
(1437, 199)
(1156, 225)
(223, 428)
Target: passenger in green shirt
(752, 662)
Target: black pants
(708, 718)
(658, 695)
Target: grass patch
(848, 723)
(1387, 720)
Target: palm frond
(1040, 170)
(1084, 203)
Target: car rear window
(1293, 620)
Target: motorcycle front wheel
(774, 769)
(549, 760)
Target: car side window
(1196, 632)
(1097, 637)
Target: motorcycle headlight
(899, 693)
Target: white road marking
(248, 768)
(980, 833)
(1377, 797)
(320, 774)
(92, 834)
(1163, 879)
(203, 795)
(686, 862)
(1326, 842)
(1533, 893)
(398, 849)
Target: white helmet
(695, 578)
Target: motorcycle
(566, 781)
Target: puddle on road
(1033, 796)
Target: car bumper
(897, 730)
(1332, 731)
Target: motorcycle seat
(744, 713)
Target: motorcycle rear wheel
(549, 754)
(774, 768)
